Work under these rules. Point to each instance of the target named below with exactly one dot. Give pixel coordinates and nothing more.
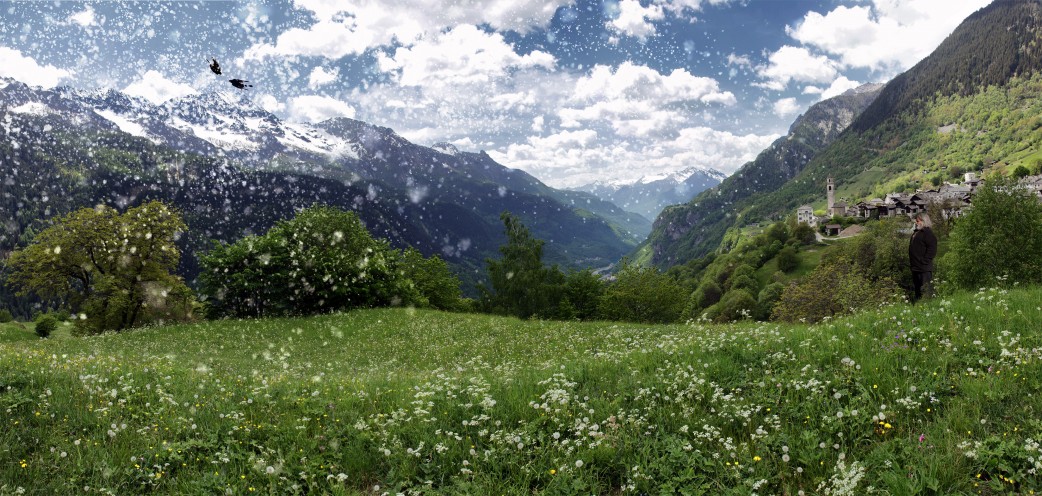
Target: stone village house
(954, 198)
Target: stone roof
(853, 230)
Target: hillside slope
(683, 232)
(971, 106)
(939, 399)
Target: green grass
(809, 256)
(939, 398)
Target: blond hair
(925, 217)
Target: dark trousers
(921, 281)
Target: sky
(571, 91)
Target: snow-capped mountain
(648, 195)
(236, 168)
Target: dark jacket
(922, 249)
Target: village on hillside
(953, 199)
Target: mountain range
(648, 195)
(234, 169)
(973, 105)
(691, 230)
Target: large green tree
(112, 269)
(322, 260)
(1000, 236)
(437, 286)
(643, 294)
(520, 284)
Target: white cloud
(739, 60)
(638, 82)
(17, 66)
(576, 158)
(635, 20)
(86, 18)
(786, 107)
(344, 28)
(157, 89)
(270, 103)
(329, 39)
(838, 87)
(320, 76)
(637, 100)
(465, 55)
(538, 123)
(791, 63)
(886, 36)
(316, 108)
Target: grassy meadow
(941, 398)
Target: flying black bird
(240, 83)
(215, 67)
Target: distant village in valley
(954, 200)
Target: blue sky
(572, 91)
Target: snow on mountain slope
(126, 125)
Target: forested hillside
(972, 105)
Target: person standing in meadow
(921, 250)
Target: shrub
(834, 288)
(737, 304)
(804, 234)
(583, 290)
(438, 287)
(706, 295)
(5, 316)
(321, 260)
(743, 270)
(979, 248)
(769, 296)
(744, 282)
(778, 232)
(45, 324)
(880, 252)
(642, 294)
(787, 259)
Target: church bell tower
(831, 185)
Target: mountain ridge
(74, 145)
(648, 195)
(692, 230)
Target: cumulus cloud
(798, 64)
(463, 55)
(343, 28)
(640, 82)
(156, 88)
(575, 158)
(270, 103)
(637, 100)
(887, 35)
(331, 39)
(317, 108)
(635, 20)
(25, 69)
(320, 76)
(786, 107)
(739, 61)
(85, 18)
(838, 87)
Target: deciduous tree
(113, 269)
